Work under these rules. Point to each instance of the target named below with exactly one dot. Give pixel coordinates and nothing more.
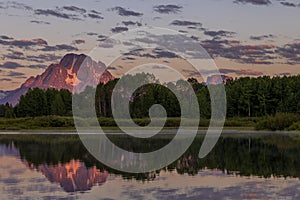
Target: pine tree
(58, 106)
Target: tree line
(38, 102)
(246, 97)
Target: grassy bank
(278, 122)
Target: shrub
(295, 126)
(280, 121)
(241, 122)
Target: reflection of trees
(264, 156)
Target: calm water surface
(240, 167)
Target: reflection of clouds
(207, 185)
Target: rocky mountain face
(64, 75)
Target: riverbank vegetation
(263, 103)
(67, 123)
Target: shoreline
(163, 132)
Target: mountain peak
(70, 59)
(63, 76)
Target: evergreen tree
(58, 106)
(9, 111)
(33, 103)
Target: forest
(246, 97)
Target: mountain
(3, 94)
(217, 79)
(63, 76)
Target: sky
(243, 37)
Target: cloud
(18, 53)
(74, 9)
(96, 12)
(288, 4)
(128, 58)
(15, 5)
(261, 37)
(291, 52)
(24, 43)
(95, 16)
(40, 41)
(238, 72)
(6, 79)
(167, 9)
(16, 74)
(220, 33)
(252, 54)
(119, 29)
(10, 65)
(14, 65)
(155, 53)
(102, 37)
(124, 12)
(91, 34)
(42, 58)
(131, 23)
(14, 55)
(172, 43)
(159, 67)
(241, 72)
(156, 18)
(60, 47)
(107, 43)
(182, 31)
(164, 54)
(185, 23)
(111, 68)
(78, 41)
(4, 37)
(243, 53)
(37, 66)
(40, 22)
(56, 13)
(254, 2)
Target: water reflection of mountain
(265, 156)
(72, 176)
